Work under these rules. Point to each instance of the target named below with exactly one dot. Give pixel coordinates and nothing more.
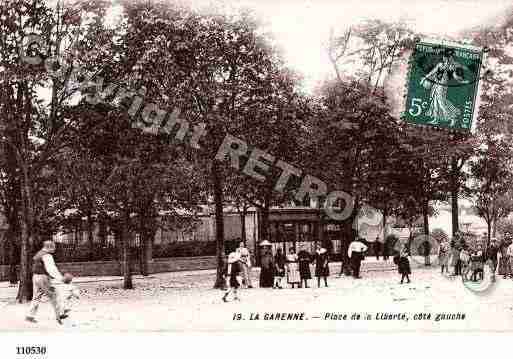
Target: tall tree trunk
(425, 215)
(243, 224)
(426, 244)
(454, 211)
(125, 240)
(217, 183)
(489, 235)
(454, 196)
(102, 235)
(384, 225)
(145, 255)
(348, 235)
(90, 236)
(27, 215)
(264, 220)
(14, 255)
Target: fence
(71, 251)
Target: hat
(265, 243)
(233, 257)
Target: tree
(490, 188)
(36, 132)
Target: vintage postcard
(255, 166)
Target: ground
(185, 301)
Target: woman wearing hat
(266, 265)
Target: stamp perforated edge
(477, 101)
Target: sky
(302, 27)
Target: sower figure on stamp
(355, 253)
(440, 108)
(44, 270)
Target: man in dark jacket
(44, 270)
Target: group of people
(294, 268)
(469, 259)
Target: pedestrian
(455, 258)
(245, 263)
(492, 257)
(304, 259)
(466, 265)
(504, 268)
(322, 269)
(266, 266)
(66, 292)
(385, 250)
(509, 254)
(476, 264)
(355, 253)
(443, 256)
(233, 271)
(279, 268)
(377, 248)
(293, 268)
(404, 265)
(45, 276)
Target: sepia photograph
(255, 166)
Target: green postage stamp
(443, 85)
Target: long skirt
(293, 273)
(444, 259)
(504, 266)
(266, 278)
(304, 270)
(246, 275)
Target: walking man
(44, 270)
(355, 253)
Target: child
(465, 265)
(233, 271)
(404, 266)
(67, 291)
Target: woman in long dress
(440, 108)
(292, 268)
(267, 269)
(279, 268)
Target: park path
(184, 301)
